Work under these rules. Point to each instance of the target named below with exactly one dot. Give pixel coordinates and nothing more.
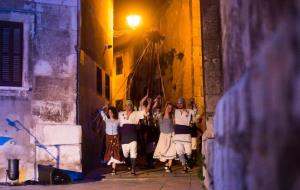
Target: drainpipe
(78, 61)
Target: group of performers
(163, 134)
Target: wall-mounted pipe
(78, 47)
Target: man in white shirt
(129, 120)
(182, 137)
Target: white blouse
(133, 118)
(111, 126)
(184, 117)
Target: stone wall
(257, 120)
(179, 24)
(90, 101)
(119, 83)
(181, 51)
(97, 31)
(213, 78)
(46, 102)
(96, 35)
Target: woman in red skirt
(113, 153)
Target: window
(119, 65)
(11, 53)
(99, 81)
(107, 86)
(119, 105)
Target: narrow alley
(150, 94)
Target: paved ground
(155, 179)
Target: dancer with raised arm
(182, 137)
(113, 154)
(128, 129)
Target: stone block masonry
(45, 104)
(257, 120)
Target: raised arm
(103, 111)
(155, 105)
(149, 102)
(143, 101)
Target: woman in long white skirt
(165, 150)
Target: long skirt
(165, 149)
(113, 150)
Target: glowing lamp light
(133, 20)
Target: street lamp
(133, 20)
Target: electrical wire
(161, 78)
(133, 73)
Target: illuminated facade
(181, 55)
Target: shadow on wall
(93, 143)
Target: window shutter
(5, 59)
(17, 56)
(107, 86)
(119, 65)
(11, 53)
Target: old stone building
(180, 55)
(46, 97)
(45, 35)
